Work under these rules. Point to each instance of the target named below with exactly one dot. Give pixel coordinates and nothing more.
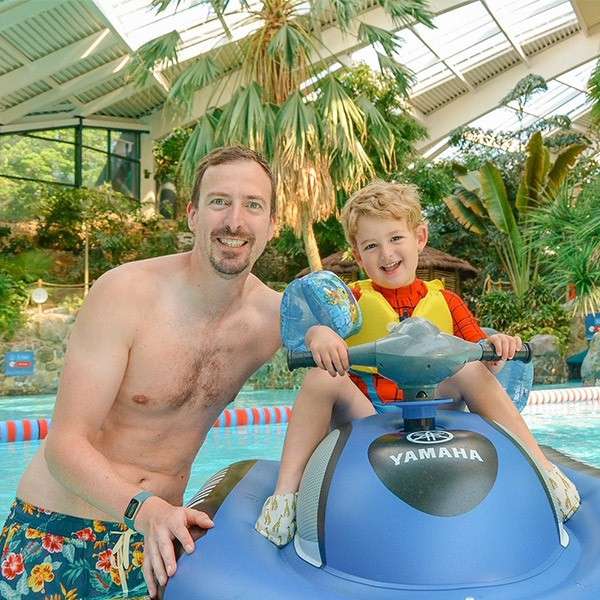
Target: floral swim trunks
(58, 557)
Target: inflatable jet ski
(415, 504)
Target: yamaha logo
(429, 437)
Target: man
(160, 347)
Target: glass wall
(73, 156)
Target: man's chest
(171, 367)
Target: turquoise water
(570, 428)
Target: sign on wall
(19, 364)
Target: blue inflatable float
(417, 504)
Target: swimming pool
(570, 428)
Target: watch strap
(134, 507)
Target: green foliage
(27, 266)
(486, 204)
(540, 312)
(566, 233)
(13, 297)
(594, 93)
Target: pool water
(570, 428)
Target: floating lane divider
(24, 430)
(36, 429)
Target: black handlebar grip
(297, 360)
(525, 354)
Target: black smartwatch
(134, 507)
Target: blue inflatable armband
(516, 378)
(319, 298)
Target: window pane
(42, 160)
(124, 143)
(125, 176)
(95, 138)
(94, 168)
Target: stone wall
(46, 335)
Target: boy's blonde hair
(383, 200)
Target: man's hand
(161, 523)
(328, 349)
(505, 346)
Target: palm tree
(594, 93)
(483, 204)
(288, 102)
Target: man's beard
(230, 266)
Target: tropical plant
(539, 312)
(566, 232)
(288, 102)
(485, 205)
(13, 297)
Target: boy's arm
(467, 327)
(328, 349)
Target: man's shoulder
(138, 276)
(263, 297)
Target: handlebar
(298, 360)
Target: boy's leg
(483, 394)
(320, 398)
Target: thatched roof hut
(433, 264)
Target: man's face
(232, 222)
(388, 250)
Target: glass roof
(566, 95)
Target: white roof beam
(553, 62)
(445, 62)
(107, 99)
(69, 88)
(33, 71)
(588, 15)
(12, 13)
(336, 42)
(505, 30)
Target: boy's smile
(388, 250)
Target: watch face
(131, 508)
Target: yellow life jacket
(378, 315)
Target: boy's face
(388, 250)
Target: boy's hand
(328, 349)
(505, 346)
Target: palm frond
(342, 120)
(464, 214)
(201, 73)
(495, 199)
(200, 143)
(295, 126)
(244, 120)
(408, 12)
(381, 135)
(404, 77)
(289, 45)
(343, 11)
(534, 174)
(162, 50)
(594, 93)
(370, 34)
(561, 168)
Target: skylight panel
(579, 76)
(465, 37)
(530, 19)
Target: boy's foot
(564, 492)
(277, 520)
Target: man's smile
(232, 242)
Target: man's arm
(95, 364)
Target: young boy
(385, 228)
